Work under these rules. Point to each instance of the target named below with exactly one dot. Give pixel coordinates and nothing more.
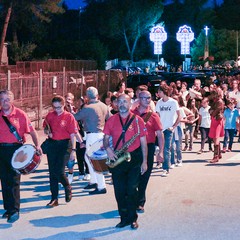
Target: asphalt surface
(196, 201)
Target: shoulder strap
(125, 128)
(148, 115)
(13, 130)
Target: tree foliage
(221, 46)
(125, 20)
(27, 21)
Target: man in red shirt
(10, 179)
(154, 127)
(124, 127)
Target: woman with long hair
(190, 124)
(217, 123)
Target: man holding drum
(9, 143)
(93, 116)
(127, 131)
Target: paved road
(196, 201)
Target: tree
(221, 46)
(25, 19)
(4, 32)
(126, 20)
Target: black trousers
(56, 165)
(10, 180)
(125, 178)
(145, 177)
(82, 165)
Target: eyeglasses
(145, 98)
(57, 107)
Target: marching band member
(61, 127)
(154, 127)
(9, 143)
(127, 131)
(93, 116)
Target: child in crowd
(205, 122)
(190, 124)
(231, 115)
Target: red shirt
(113, 127)
(19, 120)
(153, 124)
(62, 126)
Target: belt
(92, 132)
(9, 144)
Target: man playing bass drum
(9, 143)
(125, 127)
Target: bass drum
(25, 159)
(98, 156)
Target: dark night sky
(76, 4)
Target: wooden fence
(51, 65)
(27, 88)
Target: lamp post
(185, 35)
(158, 36)
(206, 47)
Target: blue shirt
(230, 118)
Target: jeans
(167, 148)
(204, 137)
(228, 134)
(176, 147)
(145, 177)
(189, 128)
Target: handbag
(46, 145)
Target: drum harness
(13, 130)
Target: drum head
(23, 156)
(97, 151)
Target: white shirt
(206, 118)
(168, 112)
(235, 95)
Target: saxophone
(122, 154)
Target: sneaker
(90, 186)
(158, 165)
(96, 191)
(179, 164)
(229, 150)
(172, 166)
(200, 151)
(185, 148)
(224, 150)
(87, 177)
(165, 173)
(70, 178)
(81, 177)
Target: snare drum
(98, 156)
(25, 159)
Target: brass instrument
(122, 154)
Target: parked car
(141, 79)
